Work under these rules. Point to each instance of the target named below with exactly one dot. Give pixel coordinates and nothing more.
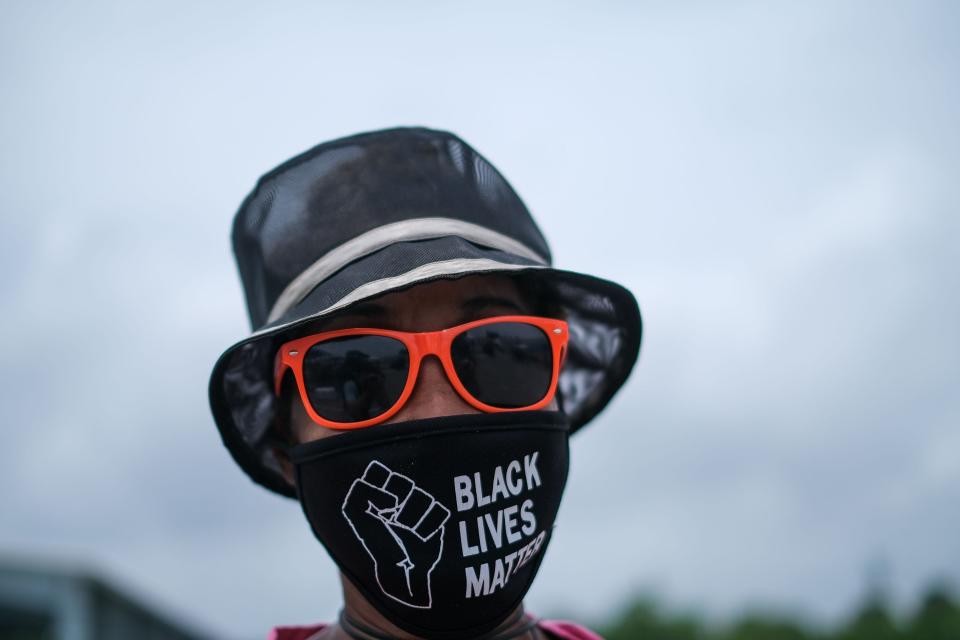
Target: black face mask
(441, 523)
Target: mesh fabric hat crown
(382, 211)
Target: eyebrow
(469, 308)
(480, 302)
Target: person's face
(426, 307)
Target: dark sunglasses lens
(506, 364)
(355, 378)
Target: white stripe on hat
(423, 272)
(383, 236)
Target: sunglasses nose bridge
(429, 343)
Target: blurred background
(776, 182)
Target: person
(415, 371)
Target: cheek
(306, 430)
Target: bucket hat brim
(604, 320)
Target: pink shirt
(557, 629)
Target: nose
(433, 396)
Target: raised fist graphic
(401, 527)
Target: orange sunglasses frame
(419, 345)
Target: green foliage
(936, 618)
(757, 627)
(874, 621)
(643, 619)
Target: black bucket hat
(382, 211)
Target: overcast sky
(776, 183)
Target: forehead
(435, 305)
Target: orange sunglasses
(354, 378)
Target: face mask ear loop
(296, 475)
(352, 628)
